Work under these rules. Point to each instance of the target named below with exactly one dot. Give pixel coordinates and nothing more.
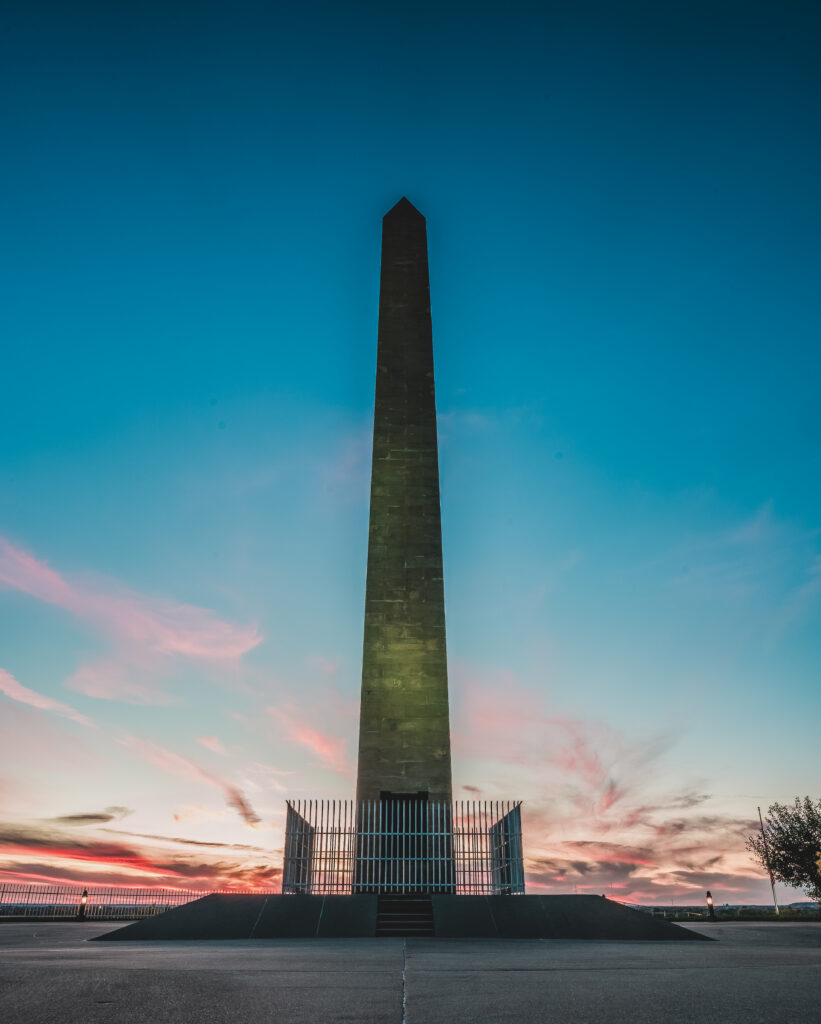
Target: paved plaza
(752, 974)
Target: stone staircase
(404, 916)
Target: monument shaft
(404, 730)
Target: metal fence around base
(403, 846)
(65, 902)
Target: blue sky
(623, 220)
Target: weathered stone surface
(404, 731)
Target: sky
(623, 221)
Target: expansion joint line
(319, 919)
(404, 980)
(259, 917)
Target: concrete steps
(404, 916)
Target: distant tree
(793, 836)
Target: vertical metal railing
(65, 902)
(403, 846)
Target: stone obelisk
(404, 727)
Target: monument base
(355, 917)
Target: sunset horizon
(622, 225)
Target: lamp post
(81, 913)
(711, 910)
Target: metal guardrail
(66, 902)
(403, 846)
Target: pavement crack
(259, 917)
(404, 980)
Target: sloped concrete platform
(258, 917)
(548, 917)
(221, 917)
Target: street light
(81, 913)
(710, 907)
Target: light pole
(767, 858)
(711, 910)
(81, 913)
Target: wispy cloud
(767, 567)
(157, 624)
(93, 817)
(345, 475)
(655, 865)
(179, 840)
(262, 778)
(331, 750)
(53, 854)
(595, 816)
(799, 602)
(212, 743)
(502, 723)
(181, 767)
(10, 686)
(328, 667)
(60, 845)
(178, 874)
(144, 630)
(455, 421)
(126, 680)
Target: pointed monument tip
(404, 208)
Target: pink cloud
(611, 853)
(179, 875)
(329, 749)
(594, 819)
(656, 853)
(181, 767)
(15, 690)
(157, 624)
(576, 756)
(326, 666)
(212, 743)
(32, 852)
(346, 474)
(500, 719)
(109, 679)
(145, 630)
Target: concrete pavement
(753, 974)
